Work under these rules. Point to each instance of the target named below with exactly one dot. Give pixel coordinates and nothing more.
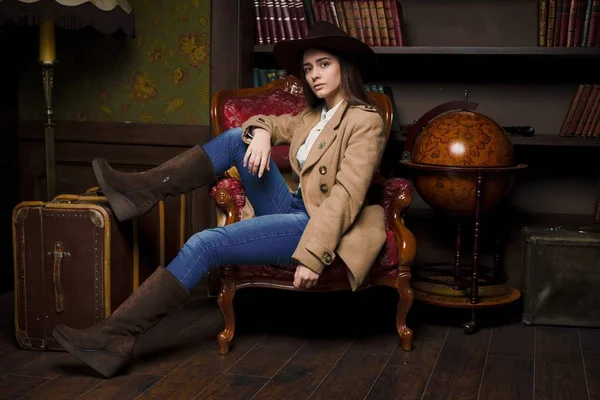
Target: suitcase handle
(57, 256)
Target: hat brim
(289, 53)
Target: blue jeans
(271, 237)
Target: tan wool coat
(334, 181)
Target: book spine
(542, 22)
(272, 21)
(573, 9)
(382, 22)
(396, 15)
(349, 17)
(587, 109)
(365, 16)
(586, 23)
(581, 103)
(550, 23)
(389, 19)
(571, 111)
(358, 20)
(258, 27)
(302, 15)
(589, 124)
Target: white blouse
(303, 151)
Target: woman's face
(323, 75)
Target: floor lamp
(107, 17)
(48, 59)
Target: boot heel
(105, 363)
(119, 204)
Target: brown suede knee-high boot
(133, 194)
(108, 345)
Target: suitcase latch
(57, 256)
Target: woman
(337, 143)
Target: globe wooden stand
(465, 289)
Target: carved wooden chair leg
(405, 302)
(226, 304)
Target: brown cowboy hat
(325, 36)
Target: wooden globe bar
(462, 165)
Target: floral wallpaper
(161, 76)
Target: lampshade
(105, 16)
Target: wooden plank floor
(320, 346)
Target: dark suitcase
(561, 276)
(74, 263)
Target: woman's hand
(305, 277)
(258, 154)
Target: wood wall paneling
(127, 147)
(8, 154)
(231, 58)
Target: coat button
(327, 258)
(322, 170)
(324, 188)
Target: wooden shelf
(537, 140)
(518, 64)
(555, 140)
(520, 218)
(500, 51)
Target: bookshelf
(487, 47)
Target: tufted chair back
(230, 108)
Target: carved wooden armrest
(396, 198)
(230, 197)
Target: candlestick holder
(49, 138)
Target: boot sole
(121, 206)
(96, 359)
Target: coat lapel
(301, 133)
(326, 137)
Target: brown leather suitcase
(75, 263)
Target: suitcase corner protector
(97, 218)
(24, 340)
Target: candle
(47, 43)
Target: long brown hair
(351, 84)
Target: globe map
(462, 139)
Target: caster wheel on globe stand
(470, 327)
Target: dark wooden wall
(231, 58)
(8, 151)
(127, 147)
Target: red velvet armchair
(229, 108)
